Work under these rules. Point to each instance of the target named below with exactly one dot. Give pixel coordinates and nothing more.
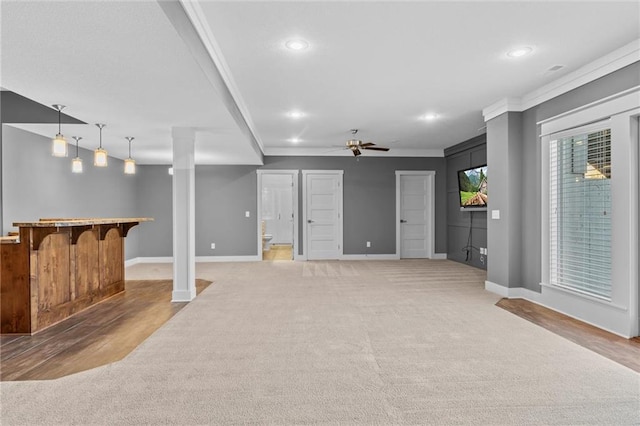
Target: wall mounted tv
(472, 186)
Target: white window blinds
(580, 213)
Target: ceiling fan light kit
(355, 145)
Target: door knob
(403, 221)
(309, 221)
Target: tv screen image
(472, 184)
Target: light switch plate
(247, 214)
(495, 214)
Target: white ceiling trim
(618, 59)
(226, 87)
(323, 152)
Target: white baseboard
(131, 262)
(498, 289)
(183, 295)
(205, 259)
(136, 260)
(369, 257)
(439, 256)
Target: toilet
(266, 238)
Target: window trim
(621, 314)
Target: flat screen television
(472, 187)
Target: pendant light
(76, 163)
(100, 154)
(129, 163)
(59, 143)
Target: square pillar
(184, 236)
(504, 218)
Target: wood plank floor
(278, 252)
(97, 336)
(621, 350)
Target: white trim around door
(306, 174)
(294, 176)
(430, 210)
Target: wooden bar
(58, 267)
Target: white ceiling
(376, 66)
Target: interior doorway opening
(277, 214)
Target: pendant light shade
(59, 144)
(100, 154)
(129, 163)
(76, 163)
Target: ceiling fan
(355, 145)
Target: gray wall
(224, 193)
(525, 270)
(464, 155)
(370, 197)
(153, 191)
(38, 185)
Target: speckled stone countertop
(62, 222)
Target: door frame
(340, 175)
(294, 176)
(431, 208)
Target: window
(580, 212)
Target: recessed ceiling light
(521, 51)
(296, 44)
(295, 114)
(295, 140)
(430, 116)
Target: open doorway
(277, 214)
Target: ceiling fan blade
(364, 145)
(356, 152)
(379, 148)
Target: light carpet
(378, 342)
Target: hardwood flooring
(278, 252)
(97, 336)
(621, 350)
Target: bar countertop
(9, 240)
(64, 222)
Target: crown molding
(323, 152)
(618, 59)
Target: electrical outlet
(247, 214)
(482, 260)
(213, 246)
(368, 243)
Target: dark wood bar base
(58, 268)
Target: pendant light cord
(59, 113)
(77, 139)
(129, 138)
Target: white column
(184, 236)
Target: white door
(415, 215)
(323, 214)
